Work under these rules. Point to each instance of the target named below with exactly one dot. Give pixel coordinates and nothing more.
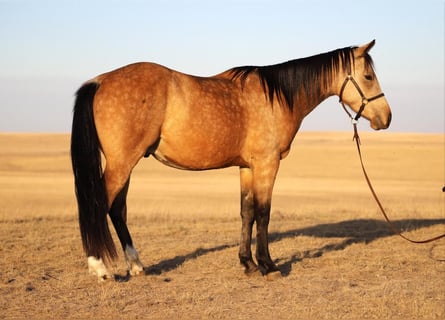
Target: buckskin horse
(245, 117)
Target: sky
(49, 48)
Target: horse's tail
(92, 200)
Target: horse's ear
(361, 51)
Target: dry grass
(338, 258)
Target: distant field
(338, 258)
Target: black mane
(308, 76)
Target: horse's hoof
(97, 267)
(136, 270)
(252, 272)
(274, 275)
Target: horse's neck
(304, 105)
(333, 89)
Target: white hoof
(136, 269)
(98, 268)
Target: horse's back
(134, 71)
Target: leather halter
(365, 100)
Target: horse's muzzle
(378, 124)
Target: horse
(246, 117)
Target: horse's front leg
(263, 181)
(247, 218)
(262, 217)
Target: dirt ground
(338, 258)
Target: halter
(365, 100)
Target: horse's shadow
(353, 231)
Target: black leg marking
(262, 217)
(118, 215)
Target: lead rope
(391, 225)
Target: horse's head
(361, 91)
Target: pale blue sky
(48, 48)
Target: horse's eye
(368, 77)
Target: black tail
(88, 177)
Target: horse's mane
(306, 76)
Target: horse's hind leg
(118, 215)
(117, 178)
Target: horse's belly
(189, 156)
(168, 161)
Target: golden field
(338, 257)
